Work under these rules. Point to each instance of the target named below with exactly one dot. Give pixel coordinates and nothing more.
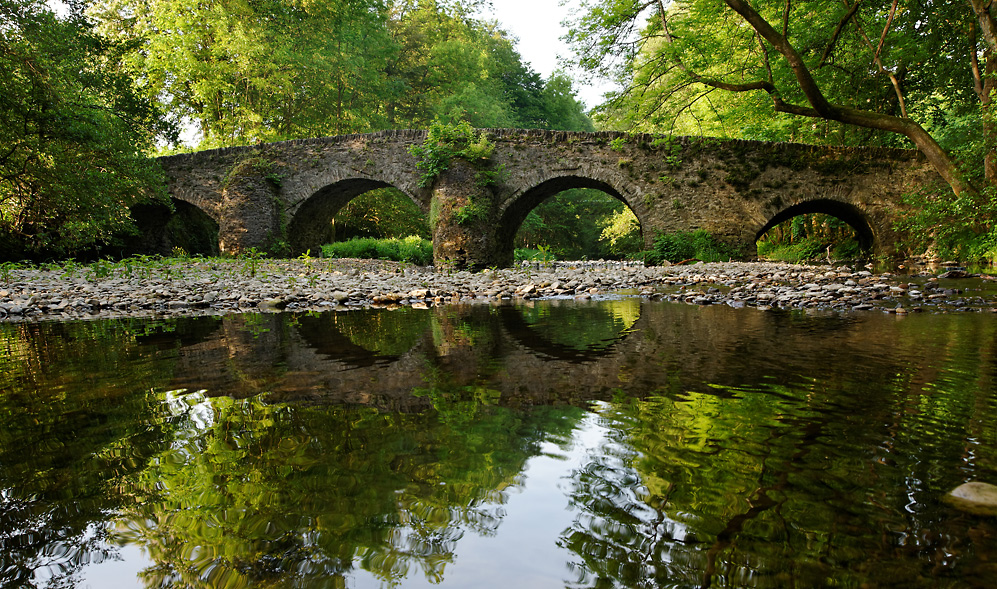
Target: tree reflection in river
(735, 447)
(833, 480)
(64, 443)
(261, 495)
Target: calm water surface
(617, 443)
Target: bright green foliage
(810, 237)
(581, 223)
(452, 67)
(412, 249)
(681, 246)
(250, 71)
(246, 71)
(622, 233)
(625, 40)
(73, 130)
(380, 213)
(446, 141)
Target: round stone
(974, 497)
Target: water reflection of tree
(566, 330)
(778, 486)
(274, 495)
(64, 443)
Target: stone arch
(187, 226)
(519, 205)
(847, 212)
(310, 225)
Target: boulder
(974, 497)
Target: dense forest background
(90, 93)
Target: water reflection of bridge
(528, 354)
(254, 477)
(378, 356)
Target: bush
(813, 248)
(543, 255)
(684, 245)
(412, 249)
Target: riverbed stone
(204, 287)
(974, 497)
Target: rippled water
(611, 444)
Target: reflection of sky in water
(524, 552)
(118, 573)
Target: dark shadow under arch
(846, 212)
(161, 230)
(515, 214)
(311, 225)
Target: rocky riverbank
(175, 287)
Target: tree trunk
(820, 107)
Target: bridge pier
(251, 209)
(464, 220)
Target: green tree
(580, 223)
(859, 72)
(247, 71)
(382, 213)
(73, 135)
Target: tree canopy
(244, 71)
(74, 132)
(871, 72)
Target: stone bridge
(735, 190)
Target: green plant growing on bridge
(446, 141)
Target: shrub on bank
(809, 249)
(412, 249)
(685, 245)
(534, 255)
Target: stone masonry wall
(732, 189)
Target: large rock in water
(974, 497)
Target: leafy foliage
(681, 246)
(244, 72)
(73, 131)
(581, 223)
(809, 237)
(382, 213)
(446, 141)
(412, 249)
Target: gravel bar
(191, 287)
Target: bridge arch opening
(162, 231)
(571, 217)
(816, 229)
(353, 209)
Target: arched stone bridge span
(736, 190)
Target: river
(612, 443)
